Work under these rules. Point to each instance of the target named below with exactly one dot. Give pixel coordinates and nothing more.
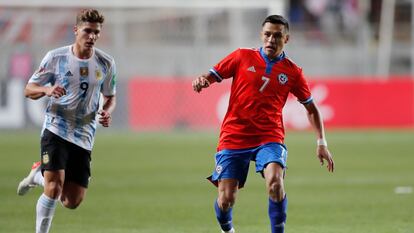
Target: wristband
(322, 142)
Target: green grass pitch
(155, 183)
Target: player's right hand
(56, 91)
(200, 83)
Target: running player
(253, 126)
(73, 77)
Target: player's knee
(226, 202)
(276, 189)
(53, 189)
(70, 203)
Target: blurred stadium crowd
(341, 33)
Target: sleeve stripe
(216, 75)
(310, 99)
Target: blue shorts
(234, 164)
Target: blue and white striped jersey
(72, 116)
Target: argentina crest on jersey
(98, 74)
(283, 78)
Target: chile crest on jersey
(283, 78)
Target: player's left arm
(315, 119)
(109, 91)
(109, 104)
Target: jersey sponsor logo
(84, 71)
(282, 78)
(219, 169)
(98, 74)
(251, 69)
(68, 74)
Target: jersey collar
(271, 62)
(268, 60)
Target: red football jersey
(259, 91)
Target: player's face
(274, 37)
(86, 35)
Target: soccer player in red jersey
(253, 126)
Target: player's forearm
(317, 124)
(315, 119)
(34, 91)
(109, 104)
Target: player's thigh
(233, 165)
(78, 169)
(271, 153)
(54, 152)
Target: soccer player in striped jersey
(73, 77)
(252, 129)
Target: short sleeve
(109, 84)
(301, 89)
(45, 73)
(227, 67)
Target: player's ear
(287, 38)
(75, 30)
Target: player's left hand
(105, 118)
(324, 154)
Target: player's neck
(81, 53)
(276, 55)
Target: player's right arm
(39, 84)
(35, 91)
(224, 69)
(203, 81)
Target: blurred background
(354, 52)
(149, 168)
